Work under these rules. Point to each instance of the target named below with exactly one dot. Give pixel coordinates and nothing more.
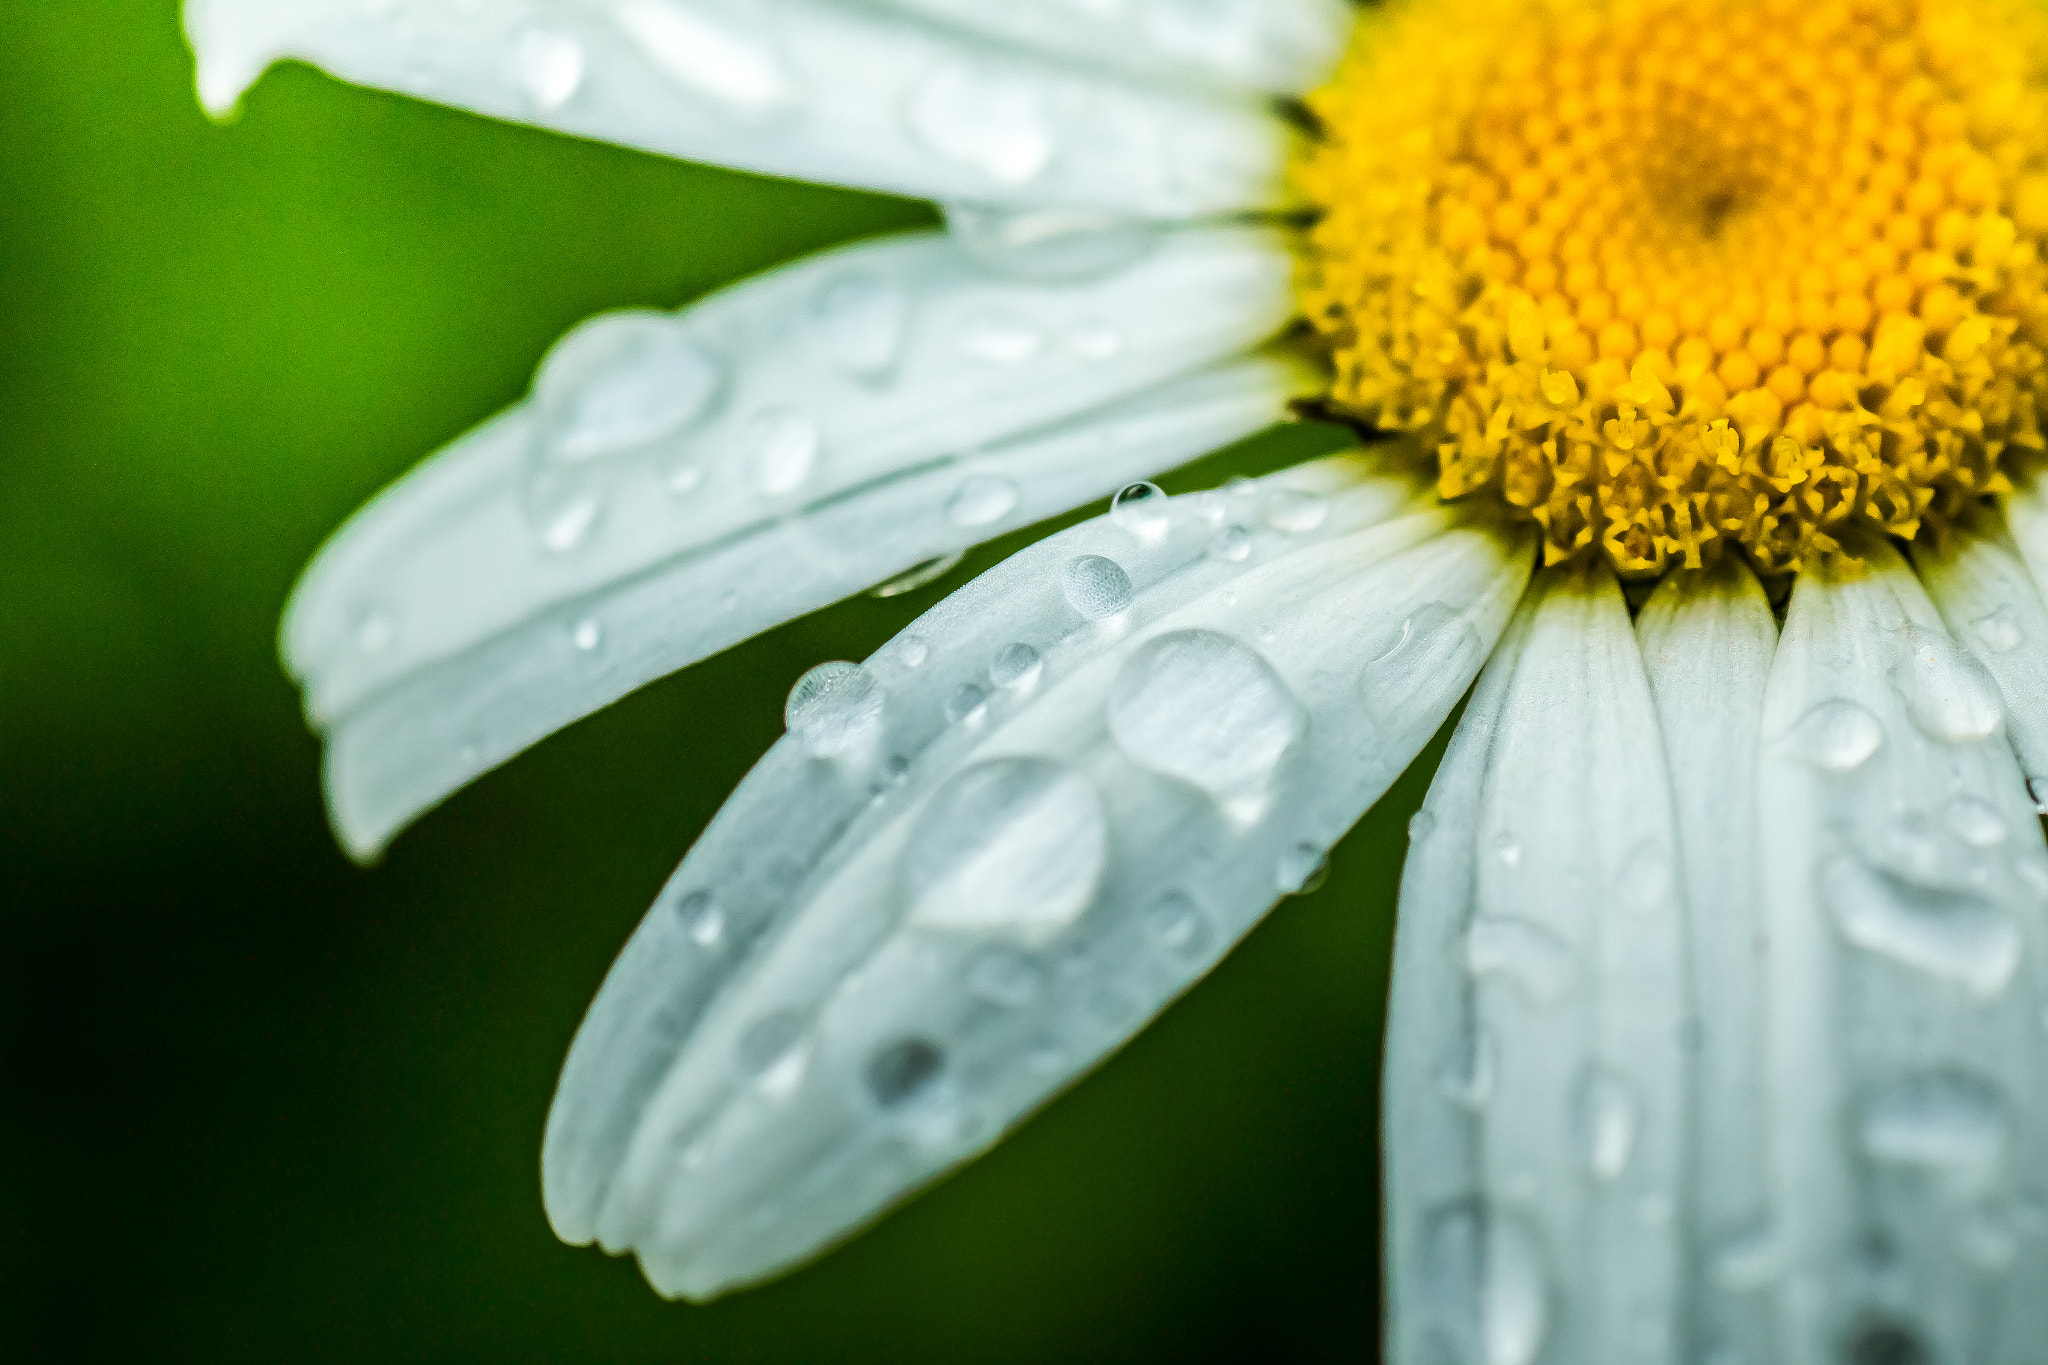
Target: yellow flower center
(1675, 276)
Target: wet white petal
(1980, 582)
(839, 93)
(1278, 45)
(1707, 642)
(926, 934)
(678, 483)
(1905, 1111)
(1535, 1110)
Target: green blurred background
(264, 1105)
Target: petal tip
(228, 56)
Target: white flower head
(1717, 1020)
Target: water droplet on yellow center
(1677, 276)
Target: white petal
(1279, 45)
(679, 483)
(1980, 582)
(1707, 641)
(1535, 1109)
(807, 88)
(981, 860)
(1907, 1088)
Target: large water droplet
(900, 1071)
(1532, 957)
(619, 381)
(1948, 693)
(861, 321)
(916, 576)
(1943, 1119)
(1999, 629)
(549, 66)
(1838, 735)
(785, 450)
(1141, 510)
(707, 55)
(1484, 1286)
(982, 121)
(1050, 244)
(833, 707)
(1016, 665)
(1013, 846)
(1204, 707)
(1607, 1116)
(1096, 587)
(980, 500)
(1947, 934)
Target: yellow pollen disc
(1675, 276)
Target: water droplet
(917, 575)
(549, 66)
(980, 120)
(1015, 666)
(1407, 663)
(981, 500)
(999, 338)
(685, 480)
(904, 1069)
(768, 1040)
(1207, 708)
(1420, 826)
(1466, 1077)
(1055, 245)
(1141, 510)
(967, 705)
(861, 321)
(563, 509)
(1095, 340)
(1004, 978)
(708, 56)
(1948, 693)
(1295, 510)
(1943, 1119)
(833, 707)
(1232, 545)
(729, 600)
(1536, 960)
(375, 632)
(1607, 1116)
(1947, 934)
(1838, 735)
(1975, 822)
(1484, 1286)
(1999, 629)
(1507, 848)
(913, 651)
(1301, 870)
(2037, 792)
(702, 918)
(586, 635)
(785, 450)
(1096, 587)
(619, 381)
(1013, 845)
(1176, 922)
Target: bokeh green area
(264, 1105)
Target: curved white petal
(1906, 1106)
(983, 859)
(1980, 581)
(1280, 45)
(839, 93)
(679, 483)
(1535, 1106)
(1707, 640)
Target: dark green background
(263, 1105)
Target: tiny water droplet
(2037, 792)
(980, 500)
(832, 707)
(702, 918)
(1015, 665)
(1141, 510)
(1999, 629)
(685, 480)
(1507, 848)
(1608, 1116)
(375, 631)
(1948, 693)
(587, 635)
(785, 450)
(967, 705)
(1484, 1286)
(913, 651)
(569, 524)
(1301, 870)
(1295, 510)
(1232, 545)
(917, 575)
(1096, 587)
(549, 66)
(768, 1040)
(1176, 922)
(1838, 735)
(902, 1070)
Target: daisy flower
(1698, 346)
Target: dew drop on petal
(375, 631)
(1949, 935)
(967, 705)
(563, 508)
(768, 1040)
(832, 707)
(917, 575)
(1177, 924)
(981, 500)
(1141, 510)
(1484, 1285)
(901, 1070)
(1466, 1077)
(913, 651)
(2037, 792)
(620, 381)
(1301, 870)
(1998, 629)
(1232, 544)
(707, 56)
(586, 635)
(1207, 708)
(973, 118)
(785, 450)
(1607, 1116)
(1976, 822)
(1948, 693)
(1096, 587)
(702, 918)
(1535, 959)
(1838, 735)
(1013, 846)
(549, 66)
(1296, 510)
(861, 320)
(1943, 1119)
(998, 338)
(1015, 665)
